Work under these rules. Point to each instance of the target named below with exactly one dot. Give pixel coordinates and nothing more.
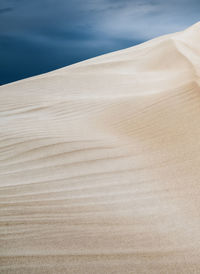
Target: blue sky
(42, 35)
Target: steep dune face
(99, 164)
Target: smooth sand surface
(100, 164)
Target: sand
(100, 164)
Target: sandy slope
(100, 164)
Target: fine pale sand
(100, 164)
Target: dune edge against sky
(99, 164)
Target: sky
(38, 36)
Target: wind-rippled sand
(100, 164)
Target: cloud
(5, 10)
(144, 19)
(125, 19)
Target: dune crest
(99, 164)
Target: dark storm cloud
(41, 35)
(5, 10)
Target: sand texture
(100, 164)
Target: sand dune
(99, 164)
